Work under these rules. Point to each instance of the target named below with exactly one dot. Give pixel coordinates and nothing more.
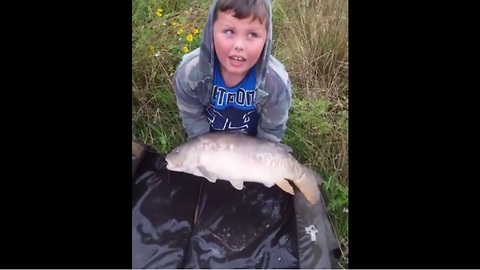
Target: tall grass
(310, 38)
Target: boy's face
(238, 43)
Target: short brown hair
(243, 9)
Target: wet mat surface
(253, 228)
(162, 218)
(183, 221)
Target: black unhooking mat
(183, 221)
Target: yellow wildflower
(189, 38)
(179, 31)
(174, 23)
(195, 31)
(185, 49)
(164, 24)
(159, 12)
(151, 49)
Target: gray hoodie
(193, 82)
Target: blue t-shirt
(233, 108)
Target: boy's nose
(238, 46)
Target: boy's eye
(253, 35)
(228, 32)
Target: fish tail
(308, 184)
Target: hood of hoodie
(207, 50)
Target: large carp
(239, 158)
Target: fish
(237, 157)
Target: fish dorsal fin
(285, 147)
(232, 131)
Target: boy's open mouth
(237, 58)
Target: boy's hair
(243, 9)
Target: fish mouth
(169, 166)
(161, 164)
(173, 168)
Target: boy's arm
(274, 116)
(191, 111)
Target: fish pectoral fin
(207, 174)
(237, 184)
(268, 184)
(285, 186)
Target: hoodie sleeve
(191, 111)
(274, 116)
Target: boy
(232, 82)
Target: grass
(310, 38)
